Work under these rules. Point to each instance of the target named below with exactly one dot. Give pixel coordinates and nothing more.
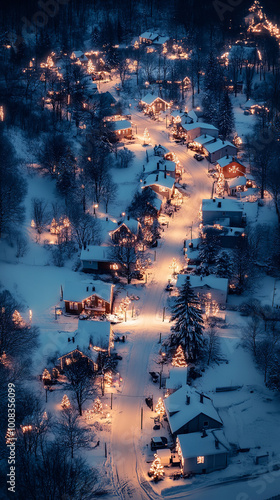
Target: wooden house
(122, 129)
(74, 356)
(98, 259)
(230, 167)
(236, 185)
(214, 211)
(148, 37)
(154, 104)
(156, 165)
(93, 297)
(189, 411)
(161, 184)
(129, 229)
(197, 129)
(218, 149)
(201, 453)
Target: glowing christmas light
(159, 409)
(65, 403)
(156, 471)
(146, 137)
(97, 407)
(179, 358)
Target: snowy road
(125, 452)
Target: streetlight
(161, 362)
(94, 207)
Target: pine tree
(156, 471)
(65, 403)
(225, 122)
(90, 67)
(108, 378)
(188, 327)
(46, 377)
(97, 407)
(160, 407)
(224, 265)
(209, 246)
(179, 358)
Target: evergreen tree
(224, 265)
(156, 471)
(179, 358)
(209, 246)
(65, 403)
(97, 407)
(225, 121)
(160, 407)
(188, 327)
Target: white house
(201, 453)
(197, 129)
(214, 210)
(161, 183)
(218, 149)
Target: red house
(231, 167)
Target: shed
(165, 456)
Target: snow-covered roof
(238, 181)
(242, 51)
(193, 126)
(78, 53)
(204, 139)
(98, 332)
(131, 224)
(158, 179)
(157, 202)
(211, 281)
(193, 445)
(161, 40)
(192, 114)
(217, 145)
(97, 253)
(153, 162)
(177, 377)
(149, 99)
(222, 205)
(226, 230)
(149, 35)
(120, 125)
(183, 413)
(76, 292)
(226, 160)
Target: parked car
(169, 287)
(198, 157)
(158, 443)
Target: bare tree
(212, 345)
(251, 333)
(125, 254)
(124, 158)
(39, 214)
(70, 433)
(80, 377)
(109, 192)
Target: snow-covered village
(140, 250)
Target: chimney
(165, 174)
(107, 219)
(204, 433)
(156, 178)
(188, 400)
(201, 280)
(214, 200)
(219, 204)
(93, 288)
(128, 217)
(158, 165)
(201, 395)
(216, 443)
(143, 168)
(227, 156)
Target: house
(218, 149)
(234, 186)
(160, 150)
(191, 251)
(197, 129)
(154, 104)
(201, 453)
(94, 297)
(177, 378)
(98, 259)
(230, 167)
(201, 141)
(148, 37)
(243, 54)
(128, 229)
(189, 411)
(229, 237)
(162, 165)
(122, 129)
(79, 57)
(97, 335)
(214, 210)
(208, 288)
(161, 183)
(74, 356)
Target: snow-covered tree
(188, 327)
(179, 358)
(160, 407)
(97, 406)
(156, 471)
(65, 403)
(225, 122)
(209, 246)
(224, 265)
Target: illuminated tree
(160, 407)
(97, 407)
(156, 471)
(108, 378)
(90, 67)
(65, 403)
(146, 137)
(17, 318)
(220, 185)
(46, 377)
(179, 358)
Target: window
(206, 423)
(200, 460)
(75, 306)
(71, 305)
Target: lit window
(200, 460)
